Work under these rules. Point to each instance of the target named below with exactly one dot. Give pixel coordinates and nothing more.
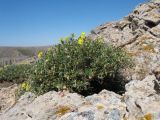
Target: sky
(44, 22)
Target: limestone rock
(7, 97)
(67, 106)
(139, 34)
(156, 72)
(142, 97)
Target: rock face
(139, 34)
(143, 98)
(140, 101)
(7, 96)
(67, 106)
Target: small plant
(75, 64)
(22, 88)
(15, 73)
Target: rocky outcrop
(142, 98)
(67, 106)
(139, 34)
(7, 96)
(140, 101)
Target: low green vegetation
(15, 73)
(78, 65)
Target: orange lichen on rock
(148, 48)
(148, 116)
(63, 110)
(100, 106)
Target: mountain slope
(9, 55)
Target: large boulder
(142, 98)
(140, 101)
(67, 106)
(139, 34)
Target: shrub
(15, 73)
(75, 64)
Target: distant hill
(11, 55)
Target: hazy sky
(43, 22)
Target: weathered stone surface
(142, 97)
(139, 34)
(7, 96)
(156, 72)
(140, 100)
(156, 31)
(67, 106)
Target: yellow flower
(27, 87)
(83, 35)
(40, 54)
(80, 41)
(81, 38)
(23, 85)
